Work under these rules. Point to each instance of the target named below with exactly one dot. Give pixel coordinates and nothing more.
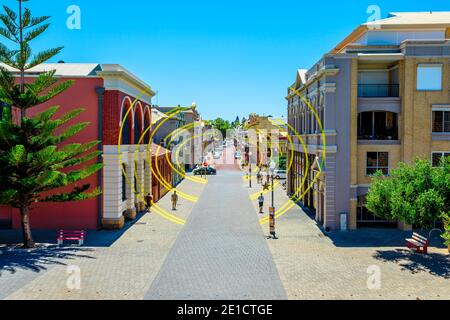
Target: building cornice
(117, 78)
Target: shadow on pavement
(373, 237)
(433, 263)
(94, 238)
(378, 238)
(39, 259)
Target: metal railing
(378, 90)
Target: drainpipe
(100, 93)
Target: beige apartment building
(382, 96)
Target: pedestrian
(174, 201)
(261, 203)
(258, 177)
(263, 176)
(148, 201)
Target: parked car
(238, 155)
(210, 171)
(217, 155)
(280, 174)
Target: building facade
(380, 97)
(118, 107)
(167, 134)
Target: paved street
(222, 253)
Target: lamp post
(272, 167)
(250, 169)
(202, 149)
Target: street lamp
(250, 169)
(272, 168)
(202, 127)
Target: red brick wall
(112, 108)
(81, 214)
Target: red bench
(71, 235)
(418, 242)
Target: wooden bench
(418, 242)
(71, 235)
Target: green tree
(221, 125)
(36, 162)
(417, 194)
(282, 162)
(236, 123)
(446, 235)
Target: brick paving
(114, 265)
(315, 265)
(222, 252)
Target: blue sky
(231, 57)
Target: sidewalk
(315, 265)
(123, 270)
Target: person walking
(258, 177)
(174, 201)
(261, 203)
(148, 201)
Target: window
(436, 158)
(441, 121)
(429, 77)
(377, 161)
(378, 126)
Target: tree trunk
(26, 229)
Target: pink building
(107, 92)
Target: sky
(230, 57)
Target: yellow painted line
(160, 211)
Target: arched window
(126, 129)
(147, 124)
(137, 125)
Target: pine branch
(6, 55)
(17, 155)
(42, 82)
(73, 130)
(71, 115)
(26, 18)
(11, 15)
(43, 56)
(78, 194)
(53, 92)
(8, 34)
(46, 115)
(81, 160)
(82, 174)
(36, 32)
(36, 21)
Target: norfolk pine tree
(36, 165)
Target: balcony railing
(378, 90)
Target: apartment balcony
(378, 128)
(378, 91)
